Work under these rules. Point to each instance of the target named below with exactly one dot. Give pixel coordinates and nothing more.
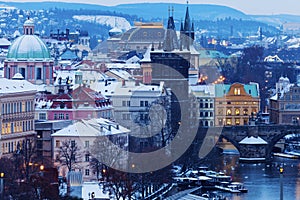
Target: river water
(261, 180)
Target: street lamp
(2, 184)
(281, 181)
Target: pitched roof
(91, 128)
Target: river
(262, 180)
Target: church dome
(28, 47)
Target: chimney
(137, 82)
(109, 127)
(117, 127)
(123, 82)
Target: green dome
(28, 47)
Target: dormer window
(237, 91)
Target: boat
(286, 155)
(227, 187)
(240, 187)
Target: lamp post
(2, 184)
(281, 181)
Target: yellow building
(234, 104)
(17, 114)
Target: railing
(161, 193)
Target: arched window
(228, 111)
(237, 111)
(245, 112)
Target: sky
(268, 7)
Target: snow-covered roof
(253, 140)
(121, 73)
(115, 88)
(91, 128)
(200, 90)
(4, 42)
(14, 86)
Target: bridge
(254, 143)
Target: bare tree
(69, 154)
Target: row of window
(229, 121)
(206, 105)
(206, 114)
(237, 111)
(16, 127)
(17, 107)
(239, 103)
(206, 123)
(142, 103)
(61, 116)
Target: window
(245, 112)
(87, 172)
(228, 112)
(237, 91)
(38, 73)
(228, 121)
(220, 121)
(146, 103)
(128, 103)
(73, 143)
(237, 121)
(87, 157)
(87, 144)
(61, 116)
(57, 143)
(123, 103)
(141, 103)
(237, 111)
(67, 116)
(55, 116)
(42, 116)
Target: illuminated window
(237, 91)
(245, 112)
(228, 122)
(237, 111)
(237, 121)
(228, 112)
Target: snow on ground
(112, 21)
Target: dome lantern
(28, 27)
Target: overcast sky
(246, 6)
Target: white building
(133, 102)
(205, 95)
(84, 133)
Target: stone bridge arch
(273, 141)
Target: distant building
(235, 104)
(44, 129)
(84, 133)
(284, 105)
(132, 102)
(17, 114)
(29, 56)
(205, 95)
(81, 103)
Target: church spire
(170, 40)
